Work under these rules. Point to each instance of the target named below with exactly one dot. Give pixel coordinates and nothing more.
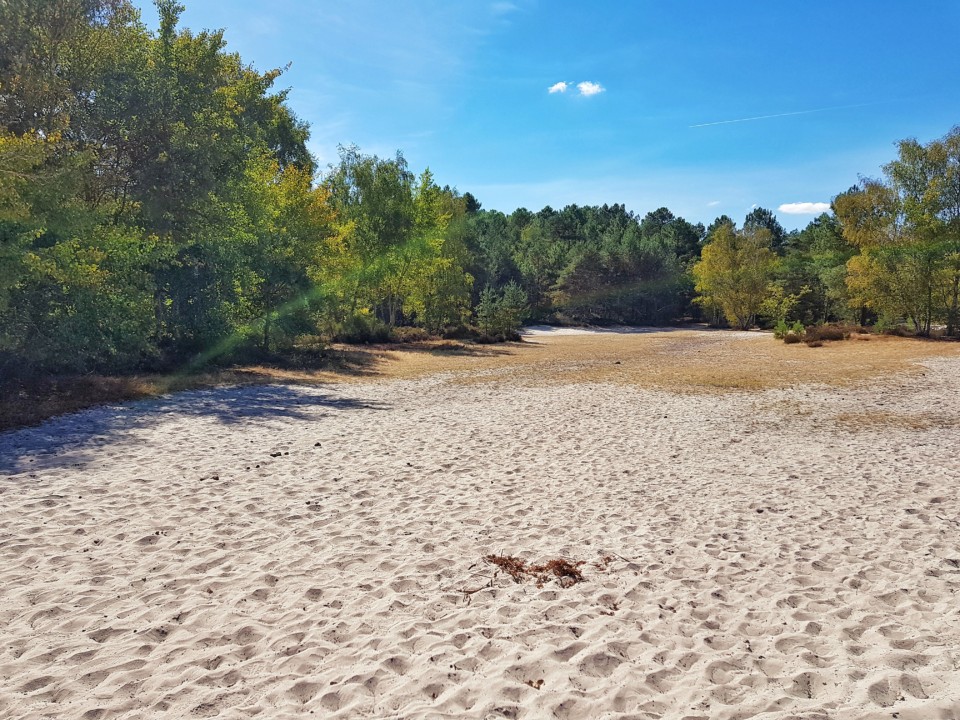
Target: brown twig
(566, 572)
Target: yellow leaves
(869, 215)
(734, 273)
(21, 161)
(68, 264)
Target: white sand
(769, 560)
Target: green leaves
(907, 228)
(734, 273)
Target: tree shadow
(76, 438)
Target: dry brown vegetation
(566, 572)
(678, 360)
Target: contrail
(767, 117)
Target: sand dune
(278, 551)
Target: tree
(440, 295)
(374, 201)
(471, 204)
(286, 224)
(763, 218)
(491, 241)
(125, 174)
(734, 273)
(907, 228)
(501, 314)
(816, 260)
(717, 224)
(927, 178)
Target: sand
(287, 551)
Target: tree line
(158, 203)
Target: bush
(897, 331)
(821, 333)
(831, 332)
(407, 334)
(790, 334)
(509, 336)
(460, 332)
(362, 329)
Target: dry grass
(678, 360)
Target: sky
(707, 108)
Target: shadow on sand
(75, 438)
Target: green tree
(734, 273)
(927, 180)
(501, 314)
(286, 225)
(374, 202)
(761, 218)
(903, 268)
(816, 260)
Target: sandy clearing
(279, 550)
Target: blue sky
(464, 88)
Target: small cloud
(588, 88)
(558, 87)
(804, 208)
(503, 8)
(713, 203)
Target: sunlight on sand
(281, 550)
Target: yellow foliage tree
(734, 273)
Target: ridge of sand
(770, 555)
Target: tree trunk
(954, 308)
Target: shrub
(790, 334)
(362, 329)
(897, 331)
(825, 333)
(460, 332)
(831, 332)
(408, 334)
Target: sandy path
(771, 556)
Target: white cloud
(804, 208)
(558, 87)
(713, 203)
(588, 88)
